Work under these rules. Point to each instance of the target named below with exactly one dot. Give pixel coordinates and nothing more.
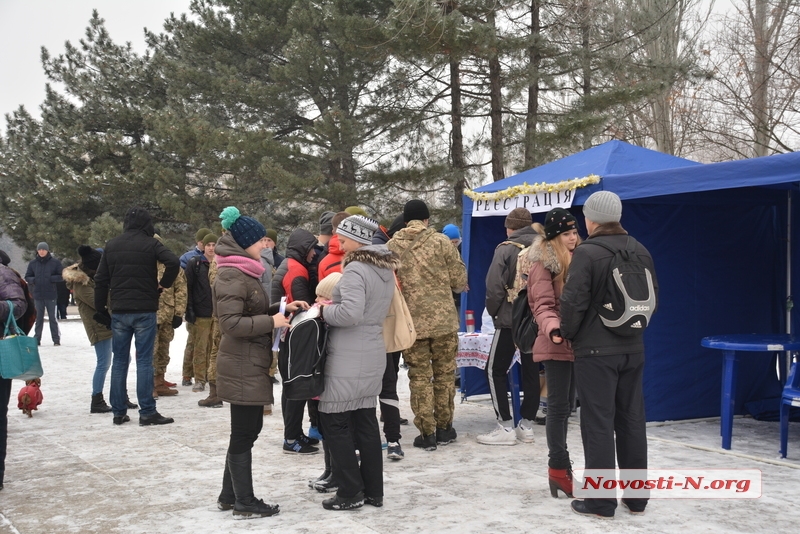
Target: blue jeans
(103, 351)
(50, 306)
(123, 327)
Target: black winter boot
(246, 506)
(99, 404)
(226, 498)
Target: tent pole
(789, 275)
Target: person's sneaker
(344, 503)
(446, 435)
(325, 474)
(255, 508)
(186, 381)
(313, 433)
(119, 419)
(579, 507)
(394, 451)
(377, 502)
(309, 440)
(327, 485)
(403, 421)
(198, 386)
(154, 418)
(131, 405)
(298, 447)
(499, 436)
(632, 511)
(426, 442)
(524, 431)
(57, 343)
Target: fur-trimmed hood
(74, 274)
(546, 255)
(377, 255)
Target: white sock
(508, 425)
(526, 423)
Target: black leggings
(390, 403)
(246, 423)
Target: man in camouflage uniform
(431, 269)
(171, 307)
(212, 401)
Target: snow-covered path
(71, 471)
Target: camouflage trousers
(203, 327)
(188, 366)
(216, 336)
(164, 335)
(431, 364)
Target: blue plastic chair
(790, 397)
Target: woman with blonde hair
(550, 255)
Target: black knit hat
(397, 224)
(557, 221)
(4, 259)
(245, 230)
(90, 258)
(415, 210)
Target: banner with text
(535, 203)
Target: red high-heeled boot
(560, 479)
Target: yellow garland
(526, 189)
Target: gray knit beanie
(603, 207)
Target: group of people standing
(565, 284)
(239, 291)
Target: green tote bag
(19, 354)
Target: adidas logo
(608, 306)
(637, 324)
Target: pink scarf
(248, 266)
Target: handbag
(19, 354)
(398, 327)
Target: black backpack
(301, 359)
(630, 298)
(523, 326)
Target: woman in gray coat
(355, 364)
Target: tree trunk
(457, 148)
(585, 26)
(534, 60)
(760, 81)
(496, 99)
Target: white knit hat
(603, 207)
(326, 285)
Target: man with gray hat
(608, 366)
(44, 271)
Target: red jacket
(332, 263)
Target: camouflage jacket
(172, 301)
(429, 273)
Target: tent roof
(776, 170)
(610, 158)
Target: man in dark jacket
(499, 279)
(293, 281)
(43, 273)
(199, 310)
(608, 367)
(129, 272)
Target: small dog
(30, 396)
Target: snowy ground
(71, 471)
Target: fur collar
(76, 275)
(377, 255)
(612, 228)
(546, 255)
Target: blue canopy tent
(718, 234)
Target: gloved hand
(176, 321)
(103, 318)
(190, 315)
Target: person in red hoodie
(293, 281)
(332, 262)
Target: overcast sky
(27, 25)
